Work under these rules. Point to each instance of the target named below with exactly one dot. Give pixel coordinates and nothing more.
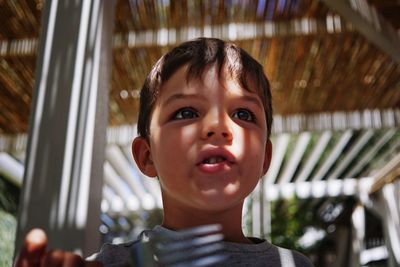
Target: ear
(142, 155)
(268, 156)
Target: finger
(33, 249)
(72, 260)
(54, 258)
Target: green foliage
(9, 196)
(288, 223)
(247, 218)
(8, 225)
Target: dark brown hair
(197, 55)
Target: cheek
(252, 150)
(189, 133)
(179, 141)
(249, 139)
(174, 146)
(179, 132)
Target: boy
(204, 125)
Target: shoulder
(119, 255)
(115, 255)
(263, 253)
(286, 257)
(293, 258)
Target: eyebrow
(253, 99)
(180, 96)
(248, 98)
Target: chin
(226, 192)
(217, 200)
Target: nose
(217, 126)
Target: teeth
(214, 160)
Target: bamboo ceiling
(315, 60)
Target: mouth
(215, 156)
(215, 164)
(214, 160)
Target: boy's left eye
(185, 113)
(245, 115)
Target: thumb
(33, 249)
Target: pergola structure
(334, 68)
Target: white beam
(316, 122)
(333, 155)
(115, 201)
(337, 121)
(279, 150)
(375, 254)
(228, 31)
(172, 36)
(370, 23)
(370, 154)
(382, 159)
(108, 193)
(122, 135)
(314, 157)
(105, 205)
(387, 174)
(112, 179)
(349, 157)
(297, 154)
(151, 184)
(317, 189)
(120, 163)
(256, 211)
(11, 169)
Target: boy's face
(208, 142)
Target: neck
(179, 218)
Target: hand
(34, 254)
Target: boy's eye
(245, 115)
(185, 113)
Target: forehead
(210, 78)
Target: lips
(215, 159)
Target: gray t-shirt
(260, 254)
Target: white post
(358, 235)
(64, 167)
(255, 210)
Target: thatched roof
(316, 60)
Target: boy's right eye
(185, 113)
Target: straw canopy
(317, 61)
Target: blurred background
(332, 191)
